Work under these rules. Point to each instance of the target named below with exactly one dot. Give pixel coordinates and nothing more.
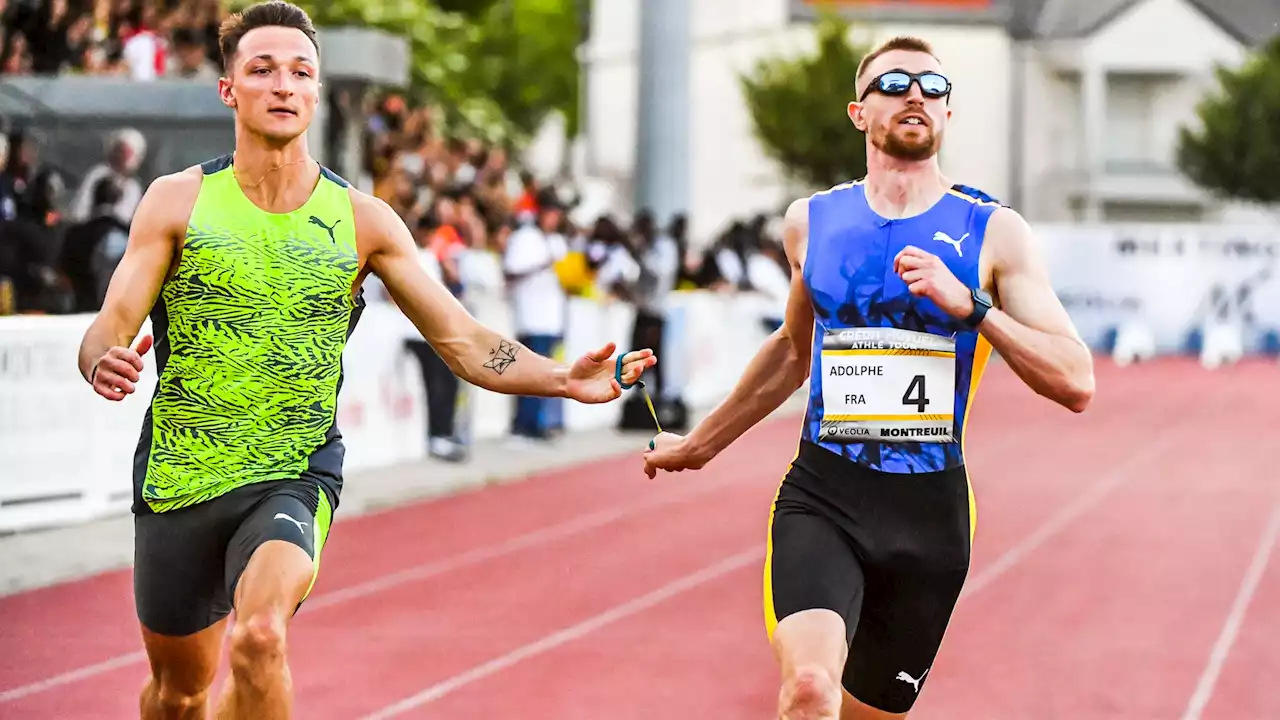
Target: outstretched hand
(116, 372)
(673, 453)
(591, 378)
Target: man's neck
(277, 178)
(901, 188)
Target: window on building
(1130, 127)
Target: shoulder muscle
(1021, 275)
(377, 224)
(795, 232)
(167, 204)
(155, 236)
(1011, 241)
(380, 232)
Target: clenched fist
(927, 276)
(115, 373)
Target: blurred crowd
(59, 243)
(485, 227)
(139, 39)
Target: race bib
(887, 385)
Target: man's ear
(856, 116)
(227, 92)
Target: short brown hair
(272, 13)
(900, 42)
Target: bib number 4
(887, 385)
(915, 394)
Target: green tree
(798, 109)
(1235, 150)
(441, 44)
(528, 60)
(470, 8)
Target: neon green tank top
(249, 338)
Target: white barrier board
(1169, 278)
(66, 454)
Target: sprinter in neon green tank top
(250, 268)
(255, 317)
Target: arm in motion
(778, 369)
(105, 359)
(472, 351)
(1031, 330)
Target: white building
(1066, 109)
(1105, 87)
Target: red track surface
(1121, 570)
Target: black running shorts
(888, 552)
(187, 562)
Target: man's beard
(894, 141)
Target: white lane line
(1235, 618)
(423, 571)
(573, 632)
(1063, 519)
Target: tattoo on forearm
(501, 358)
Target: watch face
(982, 296)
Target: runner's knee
(810, 693)
(258, 640)
(176, 696)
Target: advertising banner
(1171, 278)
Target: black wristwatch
(981, 304)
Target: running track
(1122, 569)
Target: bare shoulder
(377, 224)
(795, 231)
(798, 213)
(176, 185)
(1010, 239)
(170, 199)
(1006, 221)
(369, 210)
(366, 206)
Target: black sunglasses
(898, 82)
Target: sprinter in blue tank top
(902, 283)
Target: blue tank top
(892, 374)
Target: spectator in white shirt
(658, 258)
(125, 152)
(770, 275)
(538, 306)
(144, 49)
